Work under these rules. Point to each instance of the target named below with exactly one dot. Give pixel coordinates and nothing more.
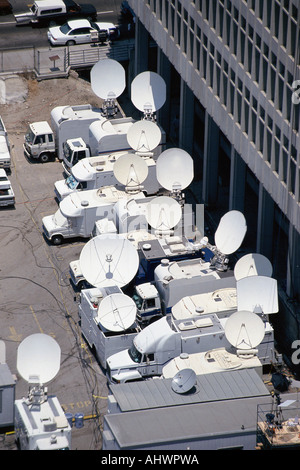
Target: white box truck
(166, 338)
(95, 172)
(5, 158)
(41, 427)
(44, 141)
(78, 212)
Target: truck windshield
(72, 182)
(134, 354)
(138, 301)
(59, 219)
(67, 152)
(29, 136)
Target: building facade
(232, 69)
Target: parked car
(7, 197)
(5, 7)
(81, 32)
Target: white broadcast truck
(102, 340)
(165, 339)
(69, 124)
(5, 158)
(95, 172)
(78, 212)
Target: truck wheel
(70, 43)
(45, 157)
(57, 239)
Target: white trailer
(41, 427)
(78, 212)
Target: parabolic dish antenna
(130, 170)
(230, 232)
(253, 264)
(174, 169)
(108, 260)
(184, 381)
(38, 358)
(144, 136)
(244, 330)
(257, 294)
(108, 79)
(148, 92)
(117, 312)
(163, 213)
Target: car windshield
(3, 147)
(134, 354)
(71, 182)
(65, 28)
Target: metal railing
(53, 62)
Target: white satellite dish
(148, 92)
(108, 79)
(230, 232)
(108, 260)
(253, 264)
(144, 136)
(244, 330)
(184, 381)
(174, 169)
(117, 312)
(38, 358)
(257, 294)
(131, 170)
(163, 213)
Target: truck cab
(39, 142)
(147, 302)
(74, 150)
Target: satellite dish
(38, 358)
(184, 381)
(144, 136)
(131, 170)
(163, 213)
(108, 260)
(244, 330)
(108, 79)
(117, 312)
(230, 232)
(174, 169)
(252, 264)
(257, 294)
(148, 92)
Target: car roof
(79, 23)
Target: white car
(80, 32)
(7, 197)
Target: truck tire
(45, 157)
(57, 239)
